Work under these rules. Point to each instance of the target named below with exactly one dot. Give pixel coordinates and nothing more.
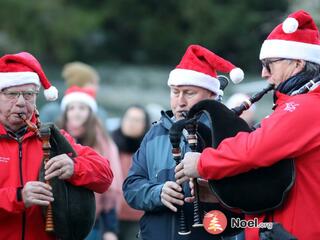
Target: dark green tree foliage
(52, 29)
(140, 31)
(158, 31)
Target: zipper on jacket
(21, 182)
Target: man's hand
(179, 174)
(171, 194)
(36, 193)
(61, 166)
(188, 167)
(205, 194)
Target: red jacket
(90, 170)
(292, 130)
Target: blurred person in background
(134, 124)
(79, 119)
(236, 100)
(74, 74)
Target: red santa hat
(23, 68)
(296, 38)
(84, 95)
(199, 66)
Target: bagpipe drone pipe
(197, 142)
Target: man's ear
(213, 95)
(300, 64)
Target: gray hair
(312, 69)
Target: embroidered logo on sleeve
(4, 159)
(291, 106)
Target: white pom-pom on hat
(236, 75)
(51, 94)
(290, 25)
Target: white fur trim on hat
(11, 79)
(79, 97)
(190, 77)
(290, 25)
(291, 50)
(236, 75)
(51, 94)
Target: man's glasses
(14, 95)
(266, 63)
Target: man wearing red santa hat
(150, 185)
(22, 194)
(291, 60)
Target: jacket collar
(4, 131)
(281, 97)
(167, 119)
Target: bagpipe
(256, 191)
(72, 213)
(259, 190)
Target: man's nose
(265, 73)
(21, 100)
(182, 100)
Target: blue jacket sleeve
(139, 190)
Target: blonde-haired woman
(80, 120)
